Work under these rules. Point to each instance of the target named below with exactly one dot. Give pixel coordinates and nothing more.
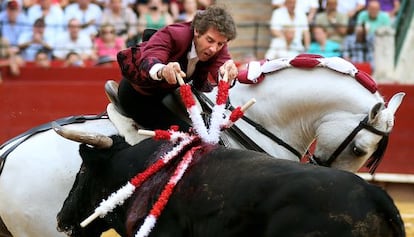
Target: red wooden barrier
(43, 95)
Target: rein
(362, 125)
(41, 128)
(206, 103)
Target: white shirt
(192, 61)
(64, 45)
(54, 20)
(301, 5)
(93, 12)
(345, 6)
(280, 18)
(279, 49)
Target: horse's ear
(375, 110)
(381, 115)
(395, 102)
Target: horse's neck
(292, 104)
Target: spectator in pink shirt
(108, 44)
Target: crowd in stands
(81, 32)
(343, 28)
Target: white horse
(297, 103)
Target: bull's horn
(93, 139)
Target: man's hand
(231, 70)
(170, 71)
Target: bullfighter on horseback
(195, 50)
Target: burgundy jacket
(169, 44)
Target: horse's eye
(358, 152)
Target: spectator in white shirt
(51, 13)
(74, 41)
(309, 7)
(122, 18)
(289, 16)
(286, 46)
(87, 13)
(31, 42)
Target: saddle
(125, 125)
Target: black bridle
(373, 161)
(248, 143)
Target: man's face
(290, 5)
(208, 44)
(331, 5)
(116, 5)
(45, 3)
(12, 15)
(42, 60)
(39, 28)
(373, 10)
(74, 28)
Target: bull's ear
(92, 156)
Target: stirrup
(111, 91)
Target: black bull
(228, 192)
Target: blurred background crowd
(79, 32)
(90, 32)
(343, 28)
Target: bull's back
(244, 193)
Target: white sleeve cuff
(153, 71)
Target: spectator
(359, 47)
(87, 13)
(190, 9)
(31, 42)
(74, 40)
(156, 18)
(108, 44)
(286, 46)
(391, 7)
(4, 49)
(51, 13)
(14, 23)
(277, 4)
(73, 59)
(351, 8)
(106, 62)
(172, 6)
(123, 18)
(335, 23)
(309, 7)
(322, 45)
(287, 15)
(204, 4)
(373, 18)
(26, 4)
(9, 58)
(42, 59)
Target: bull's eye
(358, 151)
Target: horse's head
(356, 138)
